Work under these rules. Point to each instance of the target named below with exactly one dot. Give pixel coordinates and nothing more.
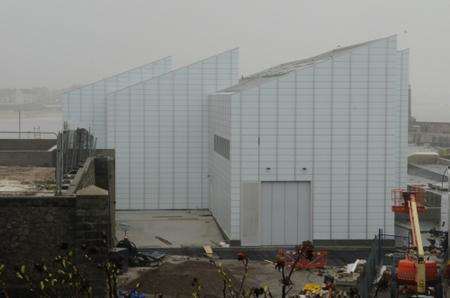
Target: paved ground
(174, 228)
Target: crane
(414, 274)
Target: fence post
(380, 246)
(394, 277)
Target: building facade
(311, 149)
(159, 129)
(85, 107)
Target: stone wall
(33, 229)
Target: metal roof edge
(317, 58)
(169, 72)
(118, 74)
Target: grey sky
(58, 43)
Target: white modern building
(86, 106)
(159, 129)
(310, 150)
(307, 150)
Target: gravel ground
(18, 180)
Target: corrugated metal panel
(285, 213)
(160, 132)
(86, 106)
(336, 123)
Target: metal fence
(376, 259)
(372, 266)
(36, 133)
(73, 148)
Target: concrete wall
(26, 144)
(418, 170)
(36, 227)
(423, 158)
(27, 152)
(28, 158)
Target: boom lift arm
(417, 242)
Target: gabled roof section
(167, 61)
(285, 68)
(172, 71)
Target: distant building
(431, 133)
(21, 96)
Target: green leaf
(19, 275)
(23, 269)
(42, 285)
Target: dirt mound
(175, 280)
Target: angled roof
(167, 60)
(170, 72)
(285, 68)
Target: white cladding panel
(159, 129)
(220, 167)
(337, 123)
(86, 106)
(404, 108)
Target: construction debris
(224, 244)
(138, 259)
(208, 250)
(357, 266)
(165, 241)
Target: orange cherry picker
(414, 275)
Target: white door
(285, 212)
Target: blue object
(136, 294)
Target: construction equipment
(140, 259)
(309, 257)
(413, 274)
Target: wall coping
(74, 183)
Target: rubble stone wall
(35, 229)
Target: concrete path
(168, 228)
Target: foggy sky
(58, 43)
